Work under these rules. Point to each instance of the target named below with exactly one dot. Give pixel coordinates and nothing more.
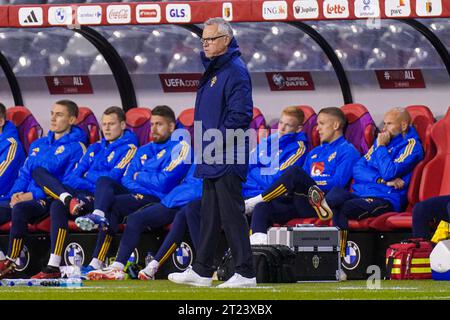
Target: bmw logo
(352, 256)
(60, 15)
(23, 260)
(183, 256)
(72, 252)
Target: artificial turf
(165, 290)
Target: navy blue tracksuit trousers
(429, 212)
(223, 205)
(285, 199)
(346, 205)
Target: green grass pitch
(165, 290)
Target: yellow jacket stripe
(368, 155)
(9, 157)
(181, 157)
(83, 147)
(292, 159)
(125, 160)
(408, 150)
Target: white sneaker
(238, 281)
(148, 273)
(258, 238)
(189, 276)
(341, 275)
(251, 203)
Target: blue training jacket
(59, 157)
(291, 151)
(224, 101)
(159, 167)
(103, 159)
(12, 157)
(385, 163)
(331, 164)
(189, 190)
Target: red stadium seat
(138, 121)
(186, 120)
(361, 128)
(27, 125)
(88, 122)
(258, 123)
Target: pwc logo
(333, 9)
(178, 13)
(398, 8)
(148, 13)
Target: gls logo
(178, 13)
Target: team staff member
(106, 158)
(154, 171)
(296, 193)
(12, 157)
(382, 176)
(224, 101)
(58, 153)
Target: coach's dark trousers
(223, 205)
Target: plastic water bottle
(42, 282)
(148, 258)
(17, 282)
(68, 283)
(76, 266)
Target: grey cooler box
(317, 250)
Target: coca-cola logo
(118, 14)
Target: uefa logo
(352, 256)
(23, 260)
(183, 256)
(73, 251)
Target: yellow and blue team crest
(91, 154)
(161, 153)
(111, 156)
(138, 196)
(332, 156)
(59, 150)
(143, 159)
(34, 151)
(213, 81)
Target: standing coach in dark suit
(224, 101)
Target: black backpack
(272, 263)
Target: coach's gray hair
(223, 26)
